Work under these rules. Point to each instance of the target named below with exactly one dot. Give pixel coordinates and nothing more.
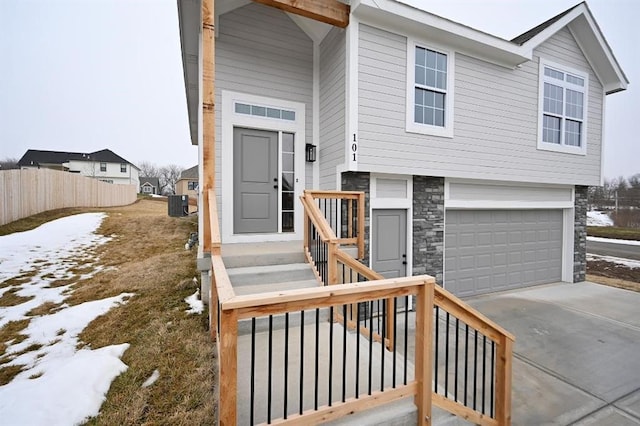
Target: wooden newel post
(424, 351)
(208, 164)
(228, 368)
(503, 380)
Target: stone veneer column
(580, 235)
(428, 226)
(360, 181)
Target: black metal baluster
(395, 339)
(493, 377)
(484, 370)
(330, 354)
(406, 336)
(382, 343)
(344, 352)
(270, 369)
(436, 350)
(357, 350)
(475, 368)
(286, 362)
(317, 365)
(370, 346)
(446, 358)
(466, 361)
(301, 408)
(253, 368)
(455, 388)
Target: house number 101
(354, 147)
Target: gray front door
(255, 181)
(390, 242)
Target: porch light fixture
(310, 153)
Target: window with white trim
(429, 90)
(563, 109)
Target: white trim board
(230, 119)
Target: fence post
(424, 350)
(213, 306)
(228, 362)
(503, 380)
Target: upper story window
(192, 185)
(103, 167)
(429, 90)
(563, 109)
(123, 167)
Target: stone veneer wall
(580, 234)
(360, 181)
(428, 226)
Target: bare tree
(148, 169)
(169, 175)
(9, 163)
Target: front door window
(288, 182)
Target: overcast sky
(83, 75)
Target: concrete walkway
(577, 353)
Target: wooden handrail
(349, 195)
(325, 231)
(468, 314)
(366, 272)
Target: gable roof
(35, 156)
(508, 53)
(153, 181)
(528, 35)
(190, 173)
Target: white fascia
(351, 101)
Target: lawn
(614, 232)
(144, 256)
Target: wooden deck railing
(482, 354)
(377, 308)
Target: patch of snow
(614, 241)
(157, 196)
(195, 304)
(630, 263)
(152, 379)
(596, 218)
(59, 384)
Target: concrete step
(261, 254)
(272, 275)
(270, 287)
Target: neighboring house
(149, 185)
(474, 152)
(104, 165)
(188, 182)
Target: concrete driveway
(577, 353)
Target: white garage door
(494, 250)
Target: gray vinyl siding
(261, 51)
(495, 118)
(332, 107)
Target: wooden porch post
(208, 114)
(424, 351)
(504, 355)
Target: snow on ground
(195, 304)
(617, 260)
(596, 218)
(614, 241)
(60, 384)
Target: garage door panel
(493, 250)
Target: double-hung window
(563, 109)
(429, 90)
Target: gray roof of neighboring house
(151, 180)
(526, 36)
(190, 173)
(35, 156)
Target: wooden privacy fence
(30, 191)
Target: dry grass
(10, 298)
(148, 259)
(45, 309)
(8, 372)
(10, 332)
(151, 262)
(614, 282)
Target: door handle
(404, 262)
(275, 186)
